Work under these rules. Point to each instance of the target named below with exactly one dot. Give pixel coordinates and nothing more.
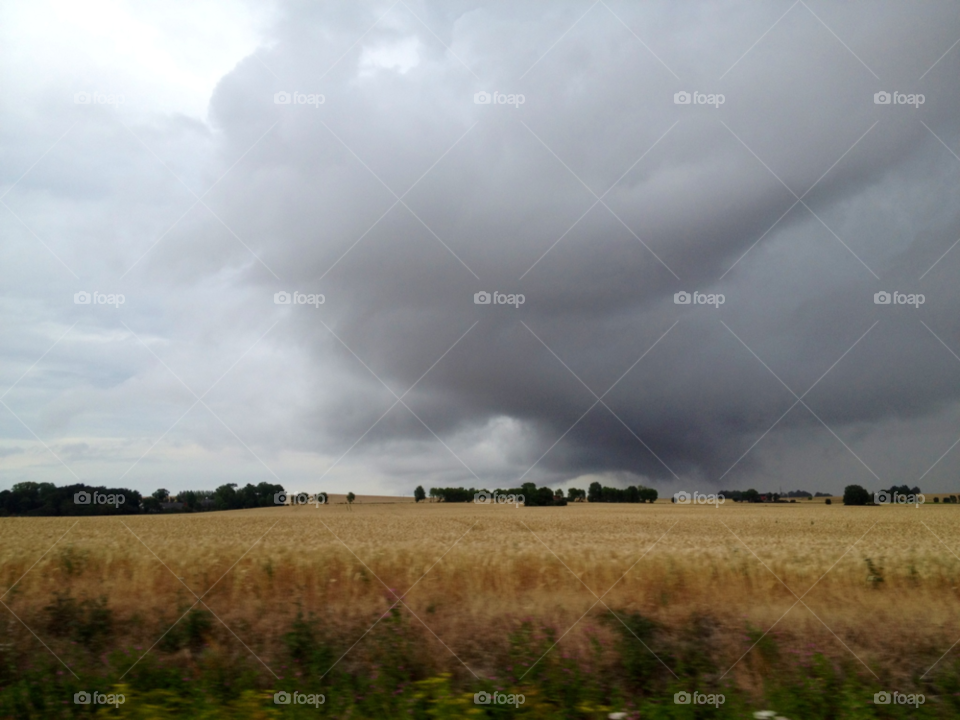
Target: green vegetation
(393, 672)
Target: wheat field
(877, 586)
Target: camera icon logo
(682, 498)
(881, 98)
(682, 698)
(882, 497)
(281, 98)
(82, 498)
(281, 698)
(881, 298)
(81, 698)
(82, 98)
(481, 298)
(280, 498)
(681, 98)
(681, 298)
(881, 698)
(281, 298)
(481, 698)
(81, 298)
(481, 98)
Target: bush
(828, 501)
(855, 495)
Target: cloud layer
(389, 186)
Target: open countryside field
(724, 597)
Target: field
(684, 595)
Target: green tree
(855, 495)
(351, 497)
(595, 492)
(419, 494)
(161, 495)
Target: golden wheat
(877, 583)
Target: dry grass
(473, 572)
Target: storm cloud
(398, 159)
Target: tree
(595, 492)
(419, 494)
(351, 497)
(750, 495)
(855, 495)
(161, 495)
(828, 501)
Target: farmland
(477, 593)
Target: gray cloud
(399, 197)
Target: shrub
(855, 495)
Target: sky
(487, 219)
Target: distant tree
(595, 493)
(936, 500)
(855, 495)
(828, 501)
(750, 495)
(419, 494)
(161, 495)
(225, 497)
(351, 497)
(574, 494)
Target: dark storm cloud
(598, 198)
(518, 178)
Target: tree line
(858, 495)
(46, 499)
(544, 496)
